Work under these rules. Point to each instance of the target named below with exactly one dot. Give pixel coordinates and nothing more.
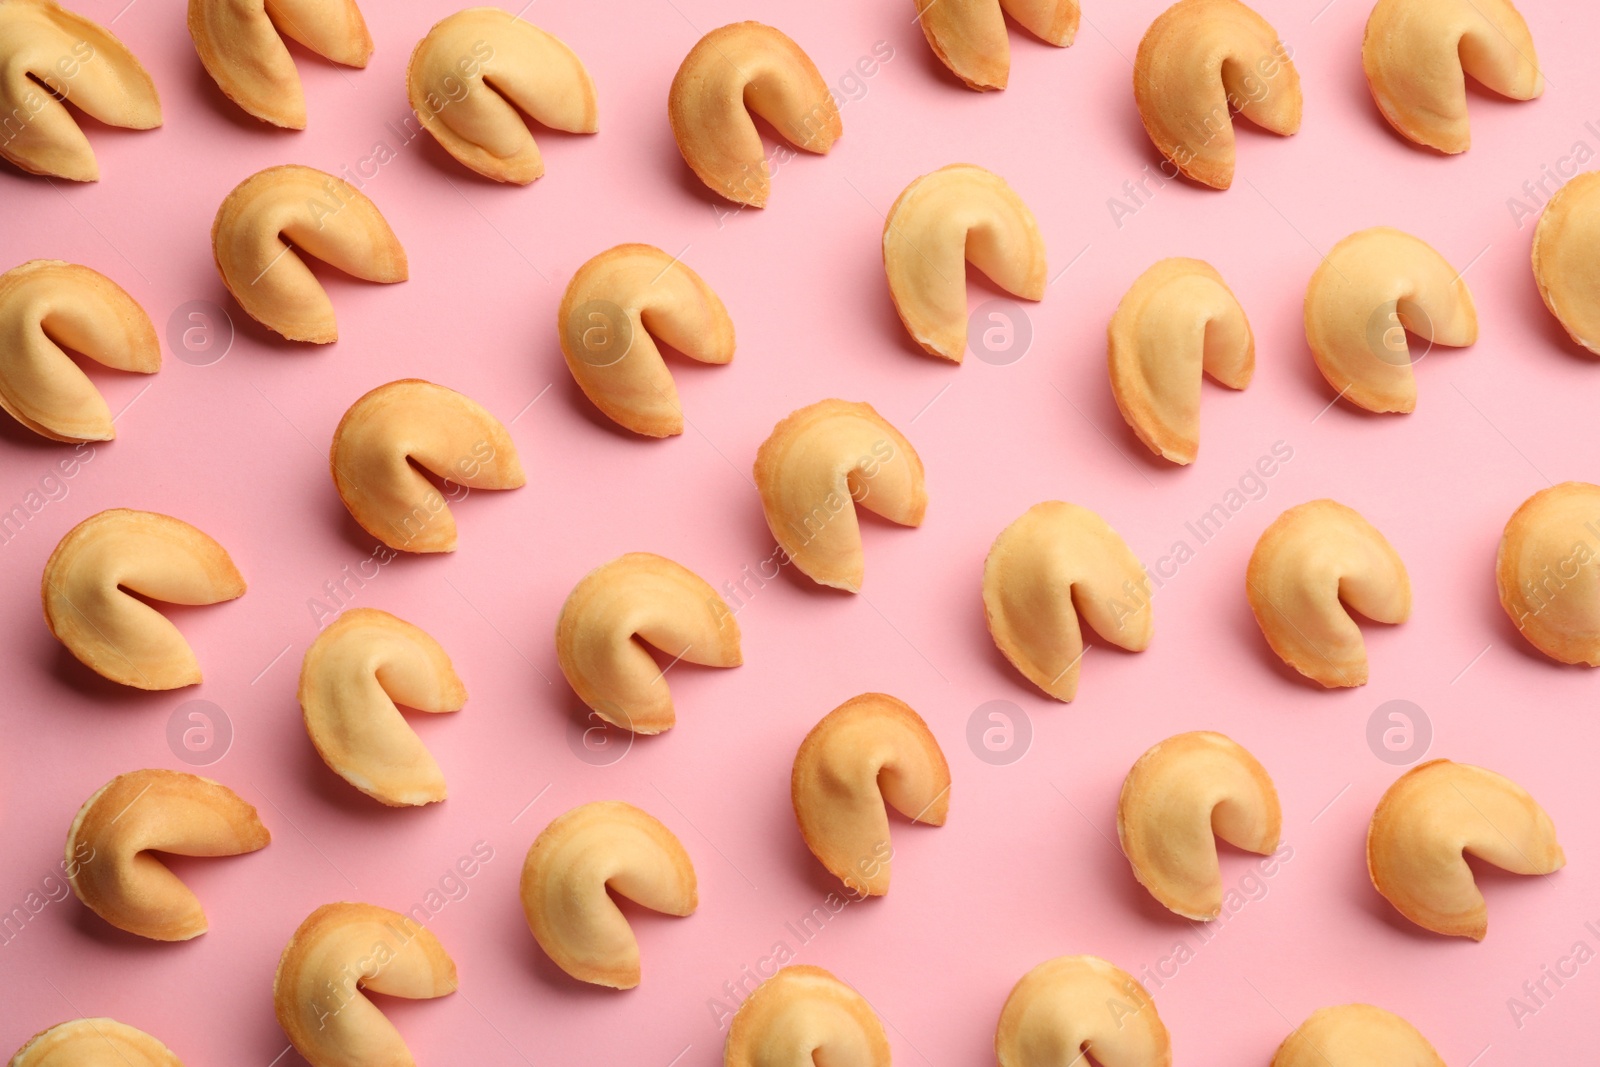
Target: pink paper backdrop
(1027, 867)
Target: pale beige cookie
(1547, 570)
(1178, 323)
(94, 580)
(1427, 823)
(867, 755)
(969, 36)
(396, 428)
(605, 845)
(731, 73)
(819, 464)
(1054, 563)
(1371, 290)
(803, 1015)
(338, 955)
(940, 223)
(271, 218)
(109, 853)
(241, 45)
(360, 666)
(1417, 53)
(1182, 795)
(94, 1043)
(50, 56)
(615, 308)
(1566, 258)
(619, 607)
(475, 75)
(1200, 61)
(1071, 1008)
(1314, 565)
(46, 307)
(1355, 1035)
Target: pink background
(1027, 867)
